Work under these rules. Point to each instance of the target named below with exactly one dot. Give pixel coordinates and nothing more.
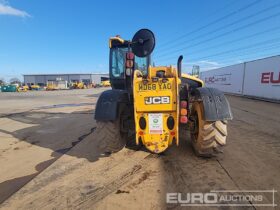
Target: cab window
(118, 62)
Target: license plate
(155, 123)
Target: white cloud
(210, 63)
(5, 9)
(204, 65)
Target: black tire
(207, 138)
(109, 137)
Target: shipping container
(259, 78)
(262, 78)
(9, 88)
(227, 79)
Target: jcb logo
(157, 100)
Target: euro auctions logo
(218, 198)
(221, 79)
(270, 78)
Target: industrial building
(42, 79)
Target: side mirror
(179, 66)
(143, 43)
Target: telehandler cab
(153, 104)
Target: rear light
(129, 56)
(170, 123)
(141, 133)
(172, 133)
(184, 104)
(129, 60)
(183, 119)
(129, 64)
(184, 111)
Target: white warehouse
(42, 79)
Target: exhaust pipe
(179, 65)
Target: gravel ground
(50, 158)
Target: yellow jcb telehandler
(155, 103)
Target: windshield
(118, 62)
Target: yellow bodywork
(50, 86)
(23, 88)
(78, 85)
(35, 87)
(193, 78)
(106, 83)
(57, 85)
(156, 101)
(117, 38)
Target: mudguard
(108, 103)
(216, 106)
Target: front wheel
(207, 138)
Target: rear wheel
(207, 137)
(109, 136)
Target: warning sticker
(155, 123)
